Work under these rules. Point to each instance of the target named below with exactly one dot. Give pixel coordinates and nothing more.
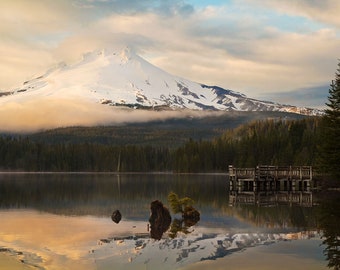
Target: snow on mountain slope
(122, 78)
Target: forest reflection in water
(97, 195)
(329, 220)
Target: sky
(280, 50)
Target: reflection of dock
(300, 198)
(271, 185)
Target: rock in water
(116, 216)
(160, 219)
(191, 216)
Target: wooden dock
(271, 184)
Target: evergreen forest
(276, 141)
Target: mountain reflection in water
(68, 222)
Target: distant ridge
(164, 133)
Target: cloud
(326, 11)
(29, 31)
(36, 35)
(253, 59)
(133, 7)
(48, 113)
(314, 97)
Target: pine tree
(329, 150)
(178, 205)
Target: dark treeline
(272, 142)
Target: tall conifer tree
(330, 131)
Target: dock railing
(268, 180)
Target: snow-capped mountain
(122, 78)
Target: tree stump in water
(160, 219)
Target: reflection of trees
(100, 194)
(181, 226)
(278, 216)
(177, 226)
(300, 217)
(330, 224)
(190, 216)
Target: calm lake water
(63, 221)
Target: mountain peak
(126, 54)
(119, 77)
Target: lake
(63, 221)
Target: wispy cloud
(326, 11)
(47, 113)
(315, 97)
